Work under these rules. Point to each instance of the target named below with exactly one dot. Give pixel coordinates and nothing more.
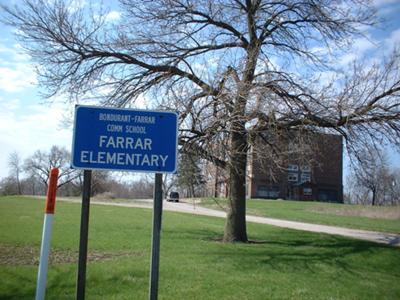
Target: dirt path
(182, 207)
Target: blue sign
(124, 140)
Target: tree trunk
(235, 226)
(373, 197)
(19, 184)
(192, 191)
(216, 183)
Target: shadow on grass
(297, 251)
(297, 255)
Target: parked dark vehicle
(173, 197)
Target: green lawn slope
(279, 264)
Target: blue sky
(28, 122)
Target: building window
(293, 177)
(262, 191)
(293, 168)
(305, 169)
(307, 191)
(268, 191)
(305, 177)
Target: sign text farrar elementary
(124, 139)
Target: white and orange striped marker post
(46, 236)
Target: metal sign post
(155, 244)
(83, 242)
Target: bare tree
(394, 198)
(15, 165)
(8, 186)
(228, 67)
(169, 182)
(41, 163)
(99, 182)
(141, 189)
(190, 175)
(373, 181)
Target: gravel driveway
(182, 207)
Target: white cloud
(16, 71)
(362, 45)
(76, 5)
(347, 59)
(110, 16)
(327, 77)
(14, 54)
(27, 129)
(18, 78)
(359, 48)
(142, 102)
(379, 3)
(113, 16)
(19, 55)
(393, 40)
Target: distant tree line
(30, 177)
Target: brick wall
(323, 166)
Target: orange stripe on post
(51, 192)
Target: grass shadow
(299, 251)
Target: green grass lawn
(385, 219)
(282, 264)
